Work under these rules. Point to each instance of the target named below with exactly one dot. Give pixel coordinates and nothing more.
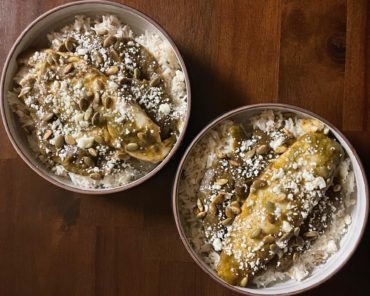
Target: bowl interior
(36, 37)
(348, 242)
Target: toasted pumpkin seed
(337, 188)
(107, 102)
(58, 141)
(69, 140)
(69, 43)
(244, 281)
(47, 117)
(234, 163)
(95, 176)
(110, 40)
(212, 209)
(20, 113)
(263, 149)
(155, 81)
(258, 184)
(270, 206)
(132, 147)
(274, 248)
(281, 149)
(47, 134)
(67, 69)
(98, 139)
(114, 55)
(122, 155)
(98, 58)
(235, 210)
(95, 120)
(137, 73)
(219, 199)
(88, 114)
(280, 197)
(227, 221)
(249, 154)
(83, 104)
(92, 152)
(229, 213)
(269, 239)
(311, 234)
(200, 205)
(296, 231)
(88, 161)
(112, 70)
(256, 233)
(271, 218)
(295, 257)
(221, 182)
(201, 215)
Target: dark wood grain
(310, 53)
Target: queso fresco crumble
(101, 105)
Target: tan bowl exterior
(359, 215)
(35, 34)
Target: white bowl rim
(81, 189)
(200, 135)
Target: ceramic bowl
(35, 35)
(350, 240)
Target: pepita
(271, 218)
(281, 149)
(132, 147)
(92, 152)
(155, 81)
(88, 114)
(337, 188)
(219, 199)
(98, 58)
(249, 154)
(227, 221)
(95, 176)
(274, 248)
(235, 210)
(83, 104)
(256, 233)
(109, 41)
(59, 141)
(88, 161)
(212, 209)
(67, 69)
(69, 43)
(95, 119)
(98, 139)
(200, 205)
(270, 206)
(244, 281)
(311, 234)
(296, 231)
(114, 55)
(69, 140)
(263, 149)
(234, 163)
(47, 117)
(229, 213)
(107, 102)
(137, 73)
(269, 239)
(201, 215)
(47, 135)
(221, 182)
(112, 70)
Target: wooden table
(314, 54)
